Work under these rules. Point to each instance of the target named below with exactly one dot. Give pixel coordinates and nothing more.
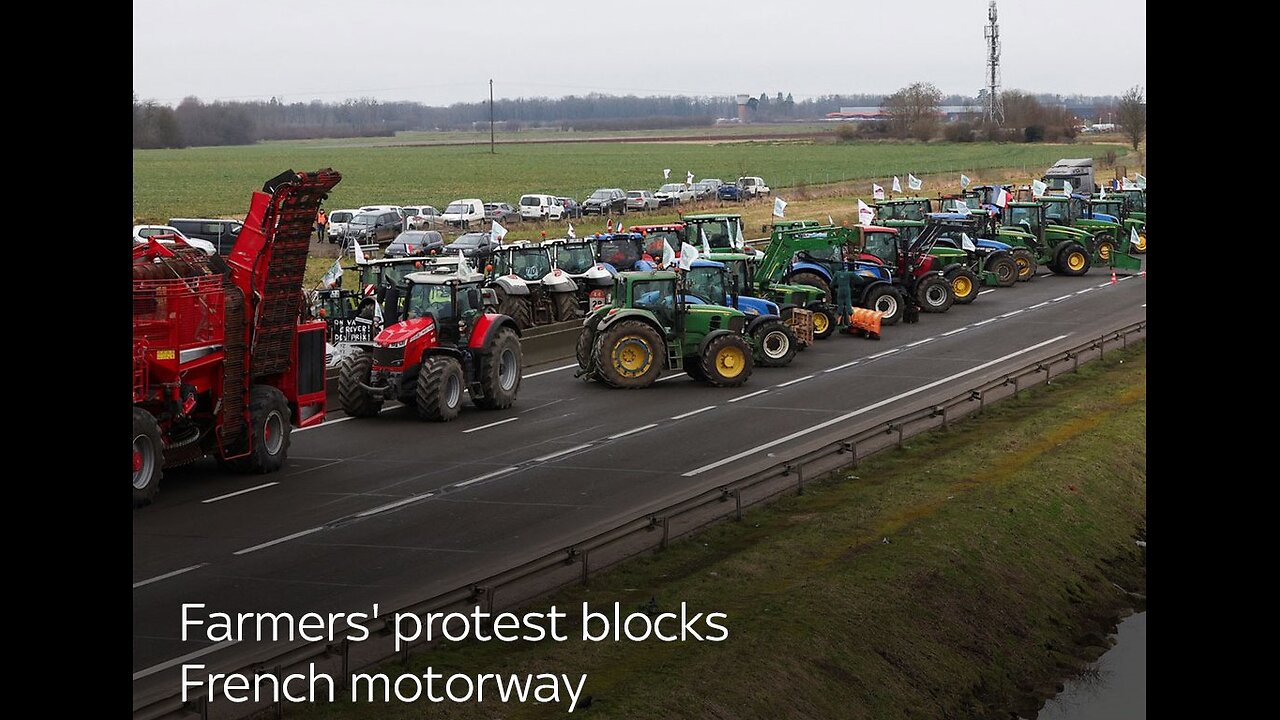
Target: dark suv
(377, 226)
(222, 233)
(606, 200)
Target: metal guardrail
(650, 530)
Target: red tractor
(223, 362)
(439, 342)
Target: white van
(463, 213)
(540, 207)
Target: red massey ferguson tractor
(223, 363)
(439, 341)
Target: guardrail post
(1102, 346)
(800, 479)
(901, 427)
(980, 397)
(1075, 362)
(1124, 340)
(944, 418)
(737, 504)
(585, 566)
(1047, 376)
(202, 706)
(279, 699)
(346, 662)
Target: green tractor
(1131, 210)
(723, 231)
(1064, 250)
(743, 268)
(650, 326)
(1116, 208)
(905, 208)
(1108, 240)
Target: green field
(444, 137)
(200, 182)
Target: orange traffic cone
(1113, 276)
(1143, 273)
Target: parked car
(571, 207)
(535, 206)
(605, 200)
(377, 227)
(462, 213)
(222, 233)
(338, 220)
(641, 200)
(674, 194)
(753, 186)
(715, 183)
(142, 232)
(415, 242)
(418, 217)
(703, 190)
(472, 245)
(502, 212)
(730, 192)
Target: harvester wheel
(775, 344)
(1006, 270)
(566, 306)
(1073, 260)
(439, 392)
(824, 323)
(964, 283)
(630, 355)
(148, 457)
(269, 427)
(516, 307)
(500, 368)
(814, 279)
(355, 400)
(934, 294)
(726, 361)
(1026, 262)
(887, 300)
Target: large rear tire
(809, 278)
(934, 294)
(1005, 268)
(775, 344)
(148, 457)
(887, 300)
(566, 306)
(500, 369)
(1026, 262)
(355, 400)
(726, 361)
(438, 396)
(516, 307)
(630, 354)
(270, 428)
(1073, 260)
(964, 283)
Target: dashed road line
(692, 412)
(793, 382)
(168, 575)
(633, 431)
(751, 395)
(492, 424)
(238, 492)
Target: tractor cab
(621, 252)
(673, 233)
(723, 231)
(530, 263)
(383, 273)
(903, 209)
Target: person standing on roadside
(322, 222)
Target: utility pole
(492, 151)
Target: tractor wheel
(1105, 248)
(516, 307)
(1141, 247)
(934, 294)
(148, 457)
(630, 355)
(500, 368)
(586, 341)
(693, 368)
(566, 306)
(824, 323)
(269, 426)
(439, 393)
(1026, 262)
(775, 344)
(1005, 268)
(726, 361)
(355, 400)
(887, 300)
(964, 283)
(814, 279)
(1073, 260)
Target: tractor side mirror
(473, 298)
(489, 297)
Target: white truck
(753, 186)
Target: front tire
(1026, 262)
(1006, 270)
(148, 457)
(1105, 249)
(887, 300)
(629, 355)
(500, 372)
(270, 429)
(1073, 260)
(824, 323)
(516, 307)
(355, 400)
(438, 396)
(934, 294)
(726, 361)
(964, 283)
(775, 344)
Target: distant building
(949, 112)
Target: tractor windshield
(738, 269)
(909, 233)
(429, 298)
(575, 259)
(620, 253)
(706, 284)
(1055, 212)
(883, 246)
(526, 264)
(653, 242)
(718, 232)
(1029, 216)
(1077, 207)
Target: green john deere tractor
(650, 326)
(1064, 250)
(744, 268)
(1108, 240)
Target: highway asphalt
(392, 509)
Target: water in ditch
(1115, 687)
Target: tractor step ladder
(675, 354)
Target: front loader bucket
(989, 278)
(1125, 261)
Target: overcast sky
(443, 52)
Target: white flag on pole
(1127, 184)
(666, 173)
(377, 313)
(333, 275)
(688, 254)
(865, 214)
(966, 244)
(706, 246)
(738, 241)
(1038, 188)
(1066, 188)
(463, 267)
(572, 234)
(1133, 235)
(1140, 180)
(358, 251)
(668, 254)
(688, 179)
(1102, 192)
(964, 180)
(779, 207)
(914, 182)
(877, 192)
(497, 231)
(830, 220)
(897, 186)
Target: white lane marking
(793, 382)
(179, 660)
(880, 355)
(669, 377)
(984, 292)
(868, 408)
(1038, 305)
(1125, 277)
(838, 367)
(1060, 299)
(486, 476)
(1106, 283)
(1011, 313)
(544, 372)
(949, 333)
(277, 541)
(238, 492)
(326, 423)
(633, 431)
(984, 322)
(167, 575)
(1144, 304)
(558, 453)
(492, 424)
(751, 395)
(1081, 292)
(918, 342)
(691, 413)
(391, 506)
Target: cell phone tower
(995, 104)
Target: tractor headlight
(397, 345)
